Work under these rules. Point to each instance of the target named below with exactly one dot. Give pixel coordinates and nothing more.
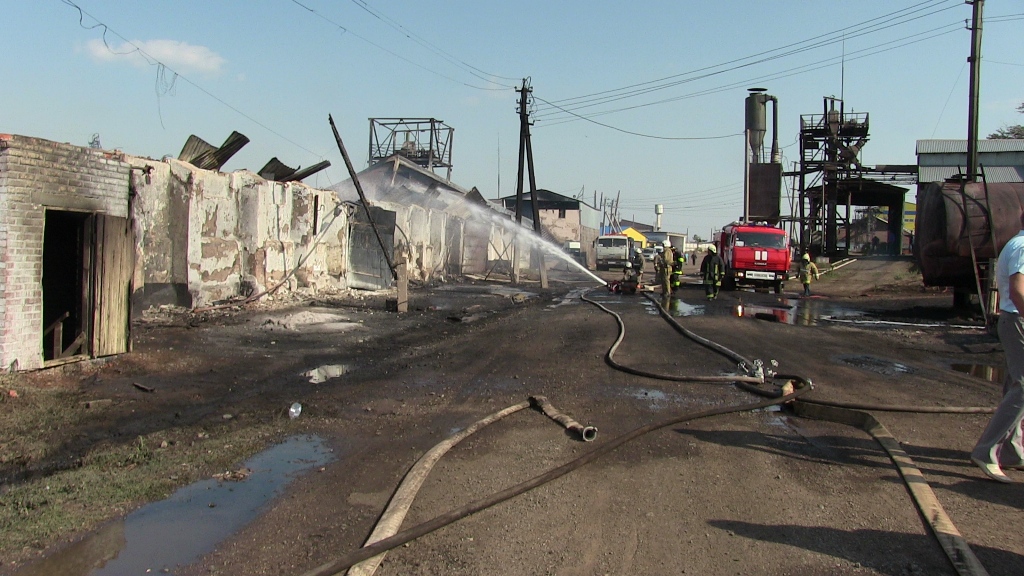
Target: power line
(161, 66)
(487, 76)
(392, 52)
(660, 84)
(624, 131)
(557, 119)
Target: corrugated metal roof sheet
(960, 146)
(993, 174)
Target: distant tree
(1010, 132)
(697, 238)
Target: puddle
(983, 371)
(326, 372)
(573, 297)
(676, 307)
(877, 365)
(655, 399)
(646, 394)
(177, 531)
(797, 312)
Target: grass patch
(112, 477)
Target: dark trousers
(1000, 443)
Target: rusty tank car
(961, 223)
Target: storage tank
(952, 217)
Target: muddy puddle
(162, 536)
(876, 365)
(794, 311)
(983, 371)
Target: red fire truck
(755, 255)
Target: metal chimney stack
(659, 209)
(757, 124)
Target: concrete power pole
(526, 156)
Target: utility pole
(991, 303)
(972, 102)
(526, 157)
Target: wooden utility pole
(972, 100)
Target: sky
(643, 102)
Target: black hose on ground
(443, 520)
(609, 356)
(957, 550)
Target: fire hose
(385, 544)
(953, 544)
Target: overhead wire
(557, 117)
(659, 84)
(487, 76)
(640, 134)
(162, 66)
(392, 52)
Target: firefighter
(662, 268)
(677, 269)
(630, 279)
(712, 269)
(806, 271)
(638, 265)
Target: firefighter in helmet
(630, 279)
(678, 261)
(638, 265)
(807, 271)
(712, 269)
(662, 267)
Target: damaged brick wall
(234, 234)
(37, 175)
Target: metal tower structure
(832, 180)
(425, 141)
(830, 170)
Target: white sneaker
(992, 471)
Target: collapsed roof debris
(280, 172)
(202, 154)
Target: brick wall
(36, 175)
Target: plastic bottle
(295, 410)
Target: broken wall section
(37, 176)
(206, 237)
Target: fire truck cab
(755, 255)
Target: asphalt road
(762, 492)
(747, 493)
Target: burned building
(89, 238)
(66, 252)
(446, 230)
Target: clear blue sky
(274, 70)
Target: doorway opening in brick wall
(65, 273)
(87, 268)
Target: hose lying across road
(385, 536)
(953, 544)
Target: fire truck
(755, 255)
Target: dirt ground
(746, 493)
